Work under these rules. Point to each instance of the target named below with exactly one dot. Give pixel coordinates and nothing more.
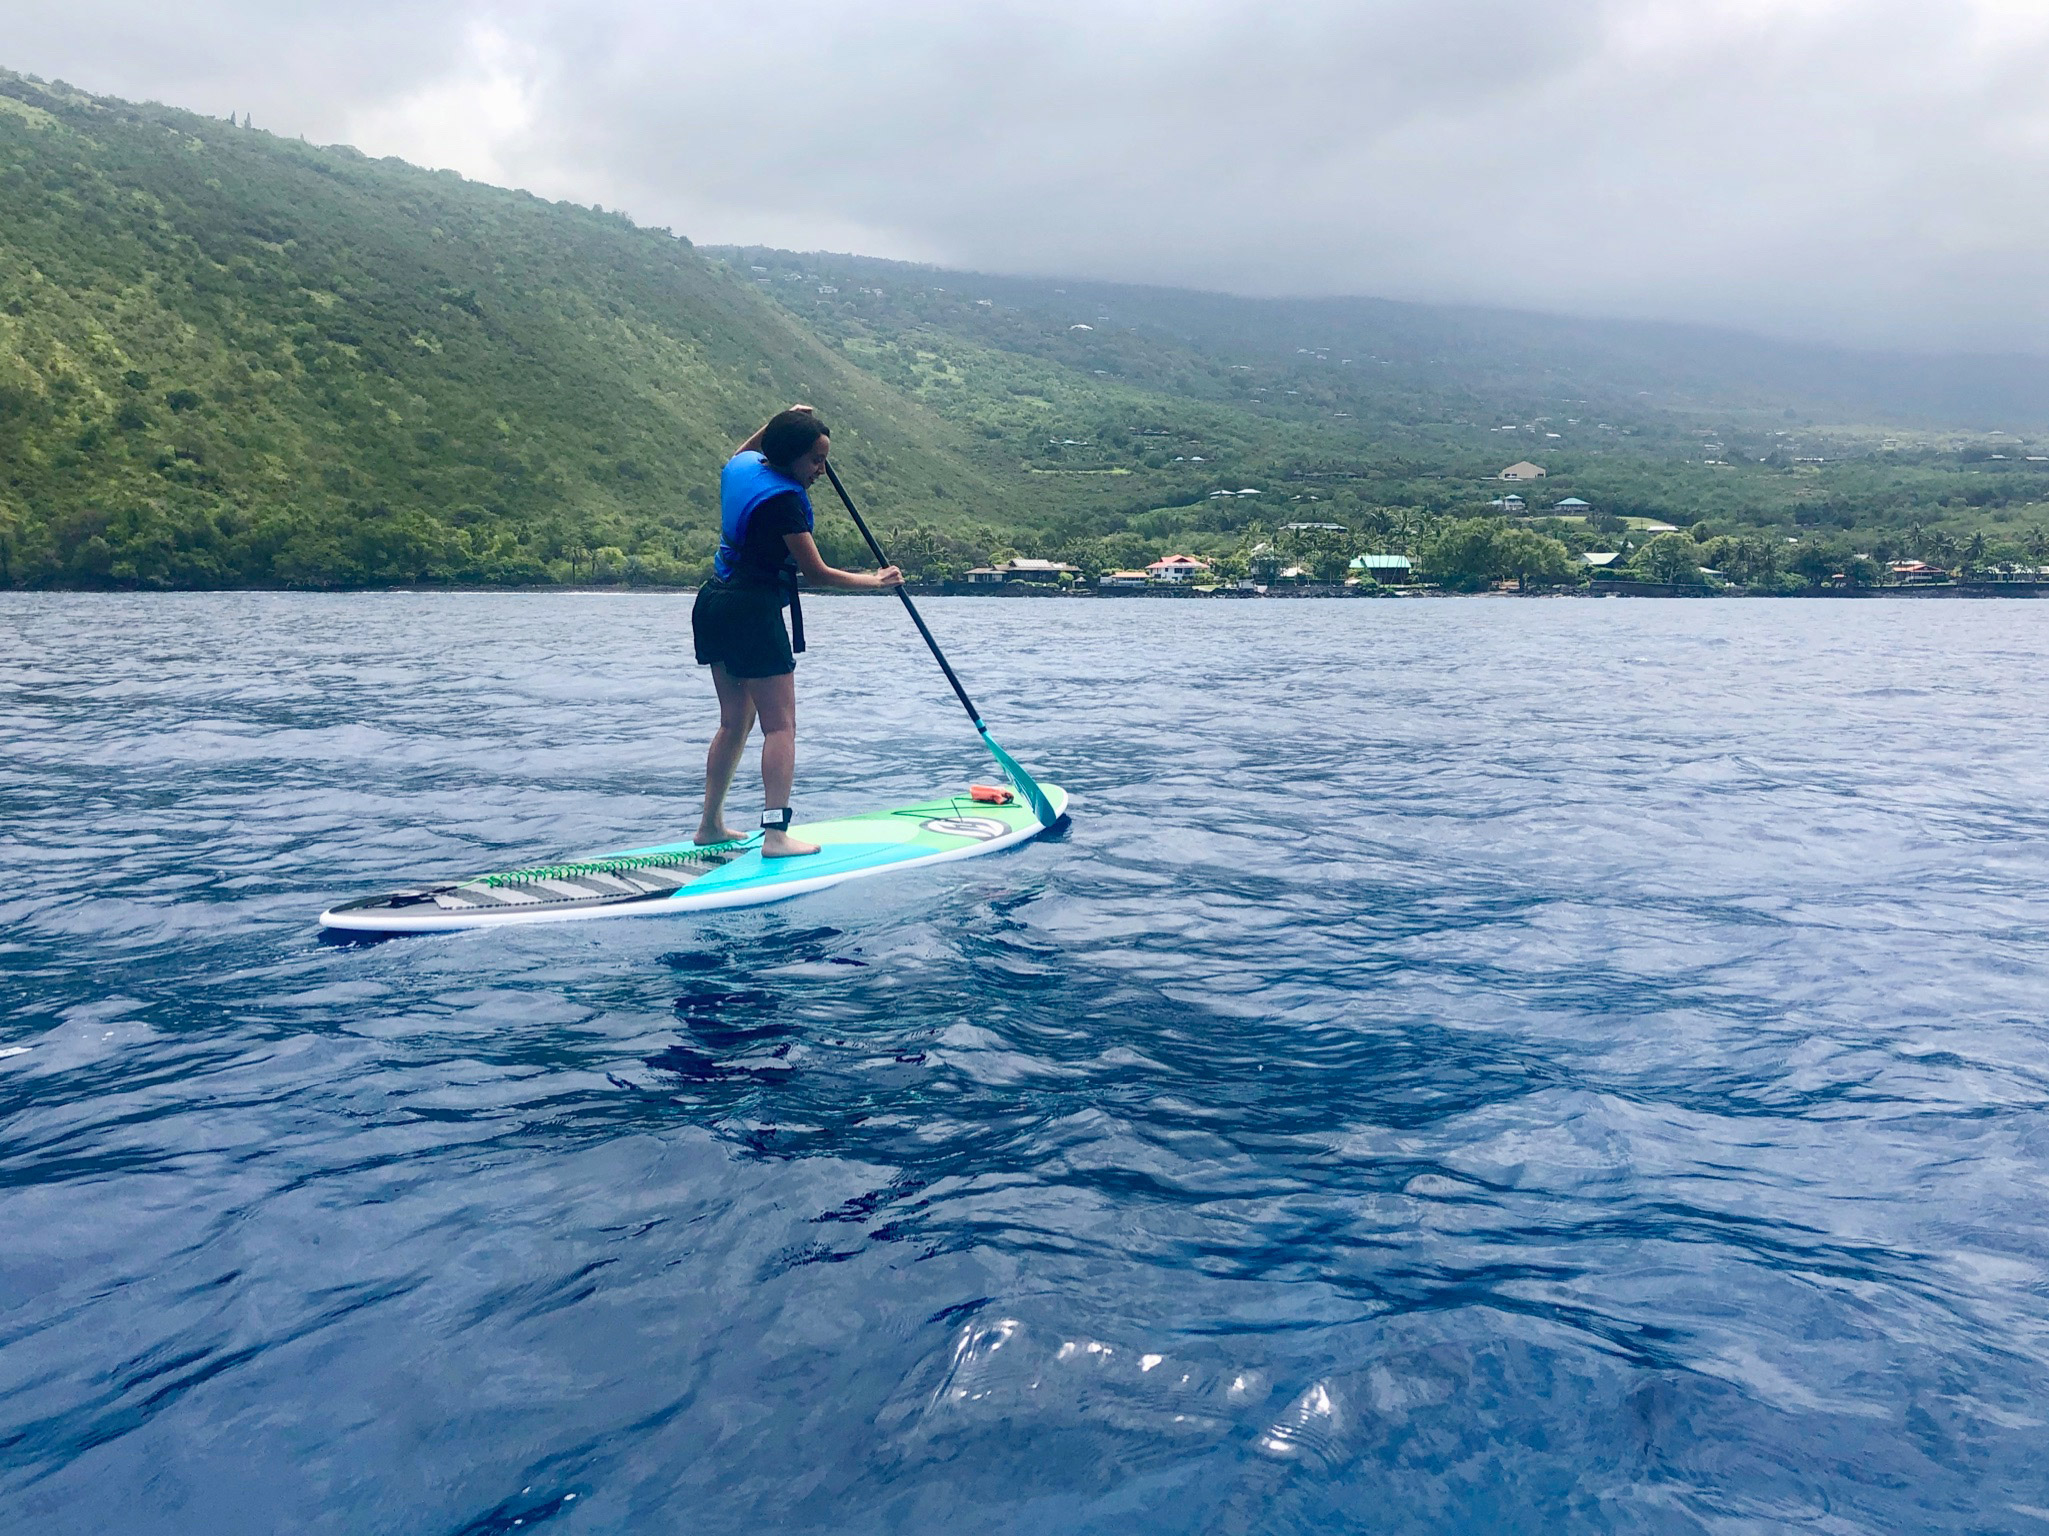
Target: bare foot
(780, 845)
(706, 836)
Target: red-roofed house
(1177, 568)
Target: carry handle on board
(1026, 784)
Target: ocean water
(1471, 1065)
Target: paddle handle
(910, 607)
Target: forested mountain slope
(230, 358)
(1150, 412)
(1431, 360)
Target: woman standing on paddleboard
(765, 546)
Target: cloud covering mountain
(1860, 171)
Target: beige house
(1916, 573)
(1523, 471)
(1023, 568)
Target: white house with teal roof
(1386, 569)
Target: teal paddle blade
(1025, 784)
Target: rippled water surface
(1479, 1065)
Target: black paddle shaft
(910, 607)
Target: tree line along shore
(1590, 552)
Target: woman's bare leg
(775, 701)
(736, 719)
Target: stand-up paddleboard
(683, 877)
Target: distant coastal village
(1568, 547)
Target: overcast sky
(1863, 171)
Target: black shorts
(741, 629)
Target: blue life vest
(745, 483)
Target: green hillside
(230, 358)
(1140, 405)
(1444, 359)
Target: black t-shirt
(764, 557)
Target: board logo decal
(980, 828)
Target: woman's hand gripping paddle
(1026, 785)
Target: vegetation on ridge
(1153, 412)
(230, 359)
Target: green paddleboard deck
(671, 878)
